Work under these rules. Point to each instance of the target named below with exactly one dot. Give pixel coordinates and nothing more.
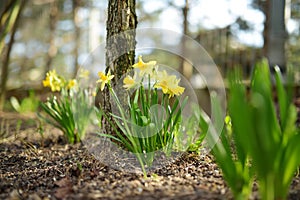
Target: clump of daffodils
(169, 84)
(139, 125)
(56, 83)
(70, 110)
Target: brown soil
(35, 167)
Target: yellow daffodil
(175, 89)
(162, 81)
(129, 82)
(84, 73)
(168, 84)
(145, 68)
(53, 81)
(72, 83)
(46, 82)
(104, 79)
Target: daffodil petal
(102, 86)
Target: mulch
(38, 167)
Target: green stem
(129, 136)
(267, 189)
(244, 193)
(142, 164)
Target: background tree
(185, 68)
(277, 35)
(9, 20)
(52, 51)
(76, 6)
(274, 33)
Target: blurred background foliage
(39, 35)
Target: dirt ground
(36, 167)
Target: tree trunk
(121, 18)
(185, 68)
(19, 5)
(275, 35)
(52, 51)
(120, 44)
(266, 10)
(7, 20)
(76, 5)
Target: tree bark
(185, 68)
(266, 10)
(275, 33)
(121, 18)
(76, 5)
(6, 20)
(120, 45)
(52, 50)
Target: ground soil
(36, 167)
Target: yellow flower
(84, 73)
(162, 81)
(168, 84)
(53, 81)
(72, 83)
(46, 82)
(145, 68)
(129, 82)
(175, 89)
(104, 79)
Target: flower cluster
(69, 111)
(162, 80)
(139, 126)
(167, 83)
(56, 82)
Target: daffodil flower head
(104, 79)
(174, 88)
(162, 81)
(130, 82)
(53, 81)
(168, 84)
(145, 68)
(72, 83)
